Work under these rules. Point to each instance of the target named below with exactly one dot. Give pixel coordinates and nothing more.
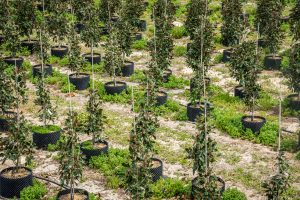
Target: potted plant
(3, 19)
(80, 9)
(293, 74)
(80, 80)
(108, 9)
(295, 21)
(198, 58)
(16, 144)
(45, 134)
(242, 60)
(143, 169)
(91, 34)
(58, 26)
(113, 62)
(251, 92)
(26, 23)
(205, 185)
(70, 168)
(269, 20)
(43, 47)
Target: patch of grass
(266, 102)
(138, 76)
(234, 194)
(99, 68)
(179, 32)
(45, 129)
(176, 83)
(217, 59)
(35, 192)
(172, 110)
(139, 44)
(180, 51)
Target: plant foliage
(293, 70)
(295, 21)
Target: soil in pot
(45, 135)
(128, 69)
(161, 98)
(81, 81)
(59, 51)
(117, 88)
(37, 70)
(272, 62)
(12, 182)
(14, 61)
(226, 55)
(254, 124)
(294, 101)
(79, 194)
(96, 58)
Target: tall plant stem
(93, 73)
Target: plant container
(221, 185)
(11, 186)
(104, 30)
(166, 75)
(79, 27)
(137, 36)
(100, 147)
(127, 69)
(37, 70)
(262, 43)
(142, 25)
(156, 169)
(18, 61)
(227, 54)
(239, 92)
(244, 16)
(1, 39)
(272, 62)
(193, 111)
(255, 125)
(161, 98)
(31, 45)
(59, 51)
(294, 101)
(114, 18)
(96, 58)
(42, 140)
(285, 19)
(112, 89)
(81, 80)
(6, 120)
(79, 194)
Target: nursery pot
(1, 39)
(77, 192)
(161, 98)
(31, 45)
(59, 51)
(79, 27)
(166, 75)
(137, 36)
(112, 89)
(156, 169)
(101, 148)
(142, 25)
(227, 54)
(239, 92)
(11, 186)
(294, 101)
(127, 69)
(37, 70)
(81, 80)
(272, 62)
(5, 121)
(221, 185)
(96, 58)
(104, 30)
(254, 125)
(114, 18)
(244, 16)
(42, 140)
(262, 43)
(193, 111)
(12, 61)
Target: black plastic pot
(14, 61)
(114, 18)
(104, 30)
(81, 80)
(111, 89)
(226, 55)
(128, 69)
(255, 126)
(272, 62)
(1, 39)
(79, 27)
(294, 102)
(37, 70)
(6, 122)
(161, 98)
(95, 152)
(239, 92)
(194, 187)
(157, 172)
(244, 16)
(166, 75)
(68, 191)
(137, 36)
(60, 52)
(194, 111)
(96, 58)
(11, 187)
(30, 45)
(43, 140)
(142, 25)
(262, 43)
